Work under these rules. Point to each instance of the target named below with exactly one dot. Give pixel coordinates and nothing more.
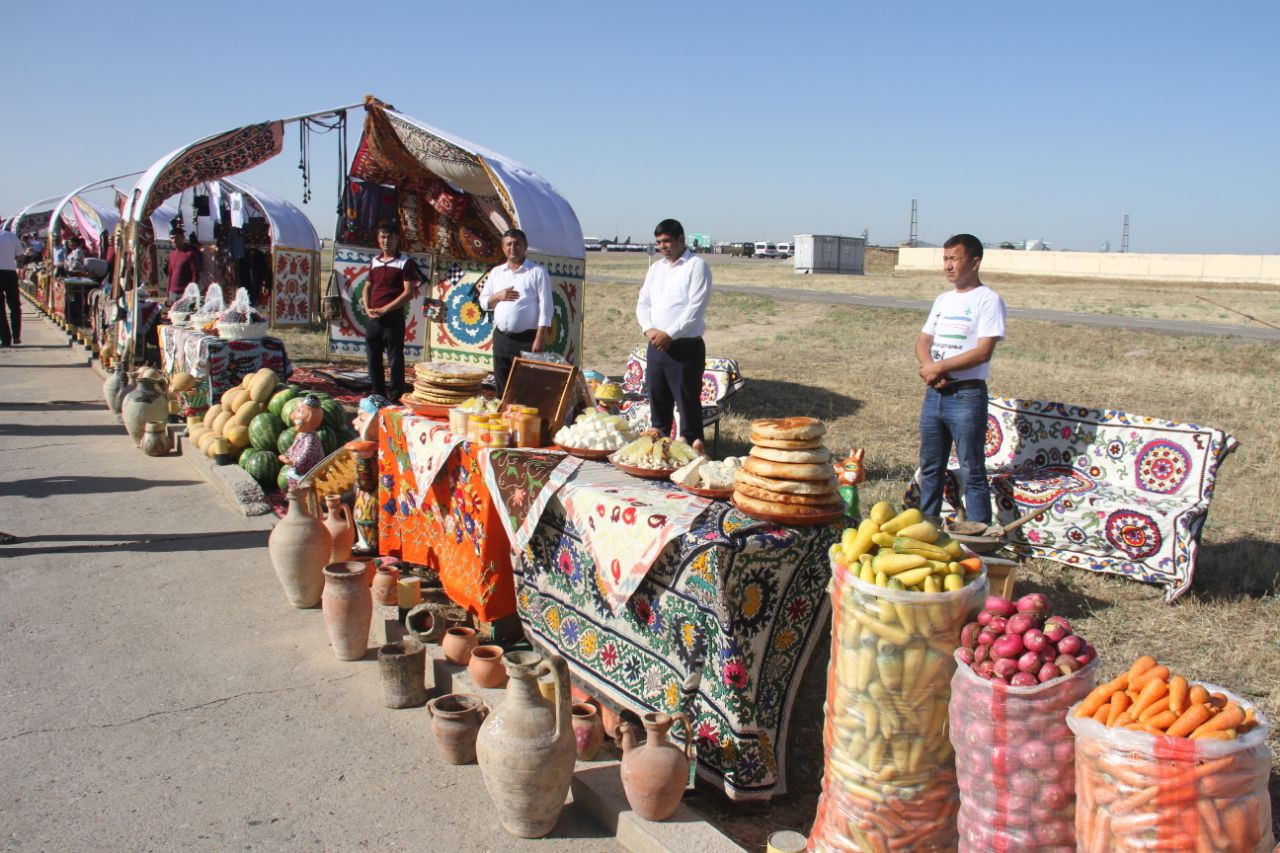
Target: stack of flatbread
(443, 383)
(788, 472)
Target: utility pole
(913, 238)
(1124, 235)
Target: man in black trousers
(393, 281)
(672, 311)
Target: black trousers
(506, 348)
(10, 327)
(386, 334)
(674, 378)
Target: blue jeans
(959, 416)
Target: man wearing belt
(672, 311)
(393, 281)
(519, 295)
(954, 351)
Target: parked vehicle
(766, 250)
(785, 250)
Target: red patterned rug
(339, 382)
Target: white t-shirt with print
(958, 320)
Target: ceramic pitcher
(526, 748)
(144, 404)
(299, 548)
(337, 519)
(654, 775)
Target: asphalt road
(1254, 332)
(157, 692)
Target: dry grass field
(854, 368)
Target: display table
(71, 300)
(217, 364)
(721, 626)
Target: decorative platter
(716, 494)
(584, 452)
(645, 473)
(789, 520)
(427, 410)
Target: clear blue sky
(744, 120)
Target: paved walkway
(1254, 332)
(156, 690)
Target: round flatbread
(791, 429)
(751, 504)
(828, 500)
(790, 487)
(785, 444)
(789, 470)
(812, 457)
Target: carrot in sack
(1229, 734)
(1101, 695)
(1197, 695)
(1178, 688)
(1120, 703)
(1160, 672)
(1152, 689)
(1191, 719)
(1235, 821)
(1161, 721)
(1209, 812)
(1157, 707)
(1102, 713)
(1230, 717)
(1140, 666)
(1219, 700)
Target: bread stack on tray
(444, 383)
(788, 472)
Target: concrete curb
(231, 481)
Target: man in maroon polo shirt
(393, 280)
(183, 263)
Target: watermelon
(282, 479)
(286, 439)
(278, 400)
(264, 431)
(263, 467)
(328, 439)
(334, 417)
(245, 454)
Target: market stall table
(219, 365)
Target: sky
(746, 121)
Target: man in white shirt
(672, 312)
(954, 350)
(519, 295)
(11, 252)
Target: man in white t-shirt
(954, 351)
(519, 295)
(11, 253)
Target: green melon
(263, 467)
(245, 454)
(334, 417)
(286, 439)
(282, 479)
(328, 439)
(264, 431)
(278, 400)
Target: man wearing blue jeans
(954, 351)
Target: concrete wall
(1136, 265)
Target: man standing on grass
(954, 351)
(519, 295)
(393, 280)
(672, 311)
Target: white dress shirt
(531, 310)
(674, 297)
(11, 249)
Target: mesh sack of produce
(889, 781)
(1140, 791)
(1015, 760)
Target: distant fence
(1135, 265)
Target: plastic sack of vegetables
(889, 781)
(1015, 760)
(1200, 790)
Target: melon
(246, 413)
(286, 411)
(205, 439)
(217, 445)
(220, 422)
(181, 382)
(264, 431)
(282, 478)
(237, 436)
(234, 399)
(261, 466)
(245, 454)
(278, 400)
(262, 385)
(328, 439)
(334, 417)
(211, 414)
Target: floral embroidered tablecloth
(453, 528)
(721, 627)
(218, 364)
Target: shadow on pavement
(52, 406)
(44, 487)
(143, 543)
(50, 430)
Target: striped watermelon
(264, 431)
(276, 405)
(263, 467)
(334, 417)
(282, 479)
(286, 439)
(328, 439)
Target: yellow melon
(219, 422)
(237, 436)
(263, 385)
(180, 382)
(212, 413)
(247, 412)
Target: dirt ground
(854, 368)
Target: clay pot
(111, 388)
(348, 609)
(654, 775)
(455, 721)
(145, 404)
(384, 585)
(525, 748)
(403, 667)
(422, 624)
(588, 731)
(485, 667)
(299, 548)
(341, 529)
(155, 441)
(458, 643)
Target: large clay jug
(111, 388)
(341, 530)
(155, 441)
(299, 548)
(147, 402)
(654, 775)
(348, 609)
(526, 748)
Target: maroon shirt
(184, 268)
(387, 277)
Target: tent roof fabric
(541, 212)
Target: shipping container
(829, 253)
